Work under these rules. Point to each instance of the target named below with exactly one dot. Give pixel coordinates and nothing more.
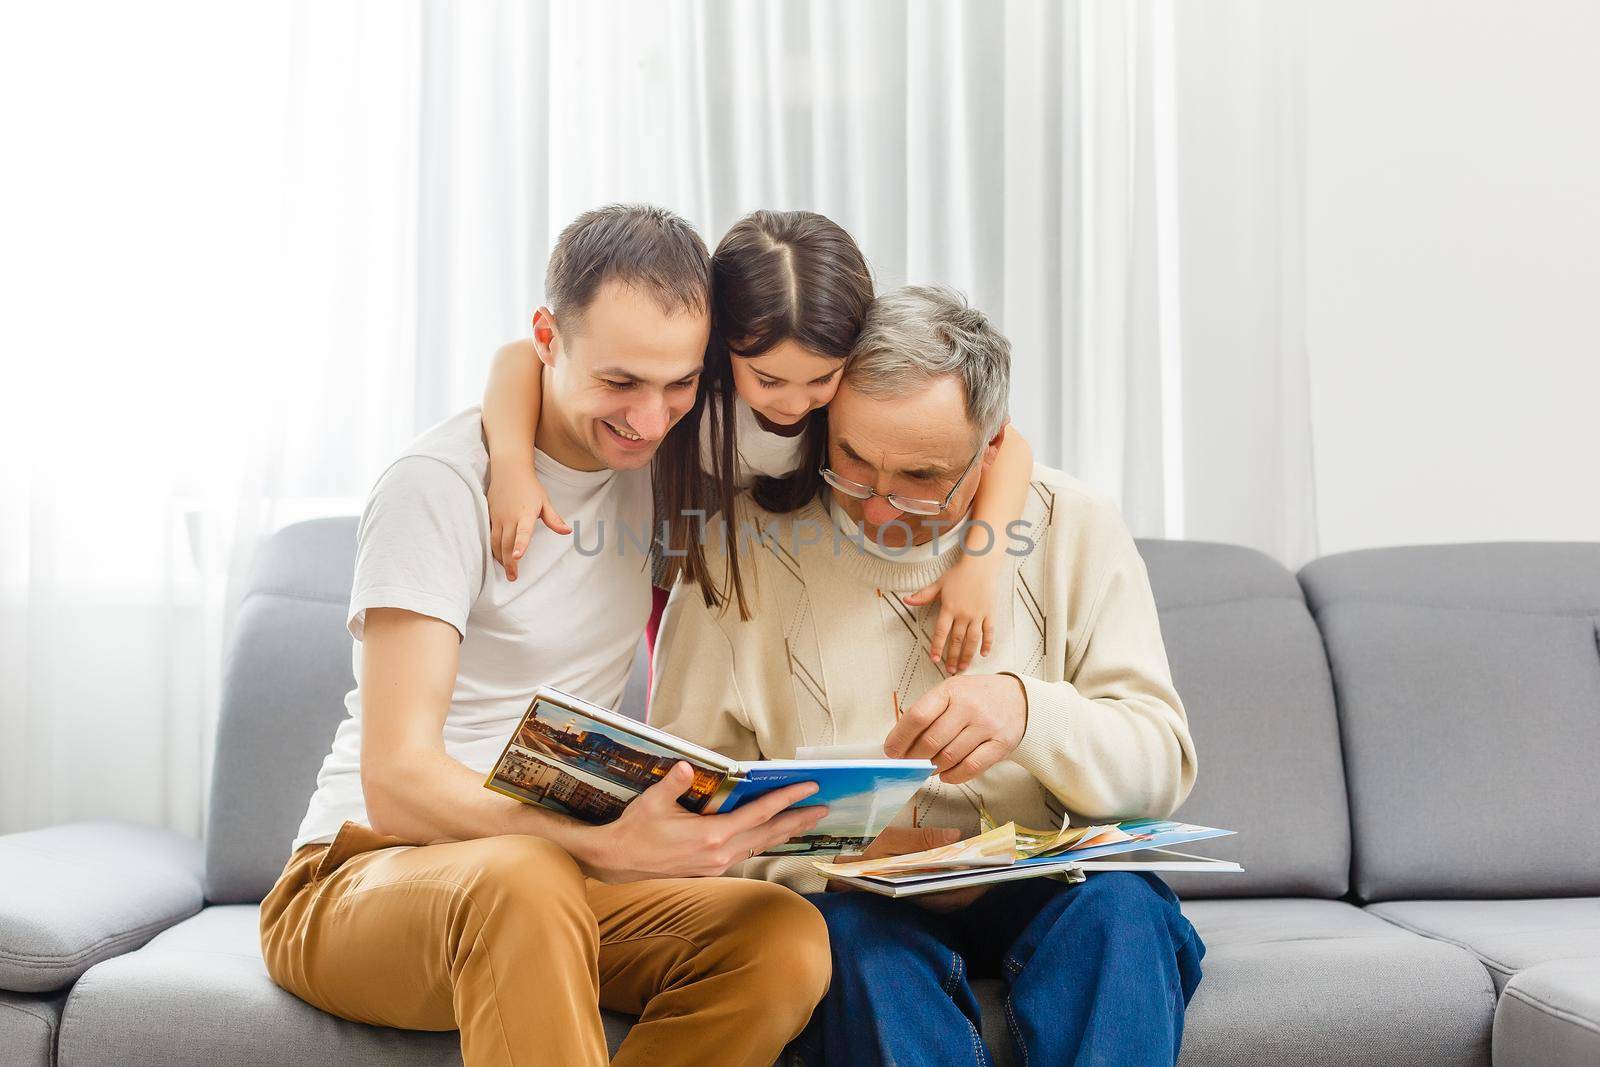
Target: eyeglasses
(909, 504)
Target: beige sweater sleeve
(1111, 741)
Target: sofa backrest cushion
(284, 681)
(1249, 666)
(1468, 681)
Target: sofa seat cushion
(1507, 935)
(1314, 982)
(28, 1026)
(1549, 1014)
(199, 995)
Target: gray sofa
(1405, 739)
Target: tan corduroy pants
(505, 939)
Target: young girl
(790, 291)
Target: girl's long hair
(776, 276)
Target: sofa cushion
(284, 680)
(1550, 1015)
(1468, 679)
(1507, 935)
(1314, 982)
(28, 1025)
(76, 894)
(1249, 665)
(199, 995)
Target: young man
(417, 898)
(1072, 711)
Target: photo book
(589, 762)
(1007, 852)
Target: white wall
(1453, 223)
(1240, 159)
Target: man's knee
(779, 940)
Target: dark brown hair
(776, 276)
(647, 247)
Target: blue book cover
(862, 796)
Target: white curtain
(278, 241)
(1022, 152)
(138, 204)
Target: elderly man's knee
(1121, 891)
(1114, 900)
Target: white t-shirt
(756, 450)
(572, 619)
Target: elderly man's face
(913, 446)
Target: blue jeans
(1095, 973)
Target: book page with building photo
(564, 758)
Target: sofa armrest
(73, 895)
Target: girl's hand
(965, 628)
(516, 502)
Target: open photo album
(1004, 853)
(589, 762)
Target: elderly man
(1073, 711)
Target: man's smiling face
(619, 379)
(914, 446)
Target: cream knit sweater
(830, 643)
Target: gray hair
(918, 333)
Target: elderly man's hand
(965, 725)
